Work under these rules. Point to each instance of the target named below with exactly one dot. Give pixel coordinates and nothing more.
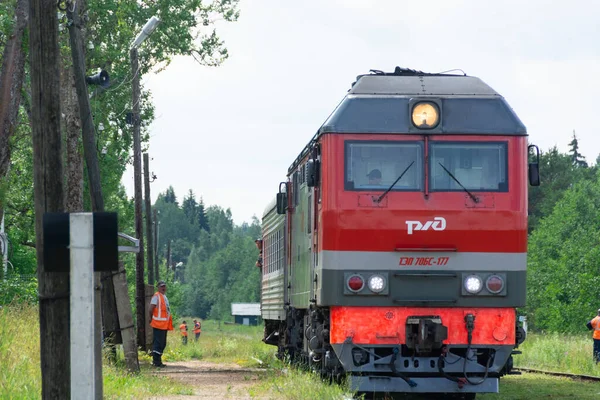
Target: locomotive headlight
(425, 115)
(473, 284)
(376, 283)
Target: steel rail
(563, 374)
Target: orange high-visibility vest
(183, 329)
(197, 327)
(596, 326)
(161, 317)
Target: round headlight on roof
(473, 284)
(425, 115)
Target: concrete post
(83, 332)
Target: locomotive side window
(273, 257)
(376, 165)
(477, 166)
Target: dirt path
(211, 380)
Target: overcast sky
(230, 133)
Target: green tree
(558, 174)
(170, 197)
(220, 267)
(110, 27)
(190, 207)
(577, 158)
(564, 262)
(202, 218)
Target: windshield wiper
(475, 199)
(396, 181)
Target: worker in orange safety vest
(161, 322)
(594, 325)
(184, 332)
(197, 329)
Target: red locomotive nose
(356, 283)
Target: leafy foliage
(218, 258)
(558, 174)
(564, 262)
(109, 28)
(15, 290)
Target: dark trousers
(184, 339)
(159, 344)
(197, 336)
(597, 350)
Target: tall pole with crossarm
(137, 179)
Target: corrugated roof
(245, 308)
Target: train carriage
(395, 253)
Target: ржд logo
(438, 224)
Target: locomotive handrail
(453, 249)
(424, 300)
(427, 274)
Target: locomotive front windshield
(376, 165)
(478, 166)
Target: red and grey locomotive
(395, 253)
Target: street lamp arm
(146, 31)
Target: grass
(20, 376)
(296, 384)
(118, 384)
(536, 386)
(221, 343)
(558, 352)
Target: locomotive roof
(422, 85)
(379, 103)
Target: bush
(19, 289)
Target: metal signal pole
(137, 180)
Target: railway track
(563, 374)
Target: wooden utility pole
(126, 320)
(87, 120)
(149, 235)
(11, 81)
(137, 182)
(53, 287)
(107, 310)
(157, 275)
